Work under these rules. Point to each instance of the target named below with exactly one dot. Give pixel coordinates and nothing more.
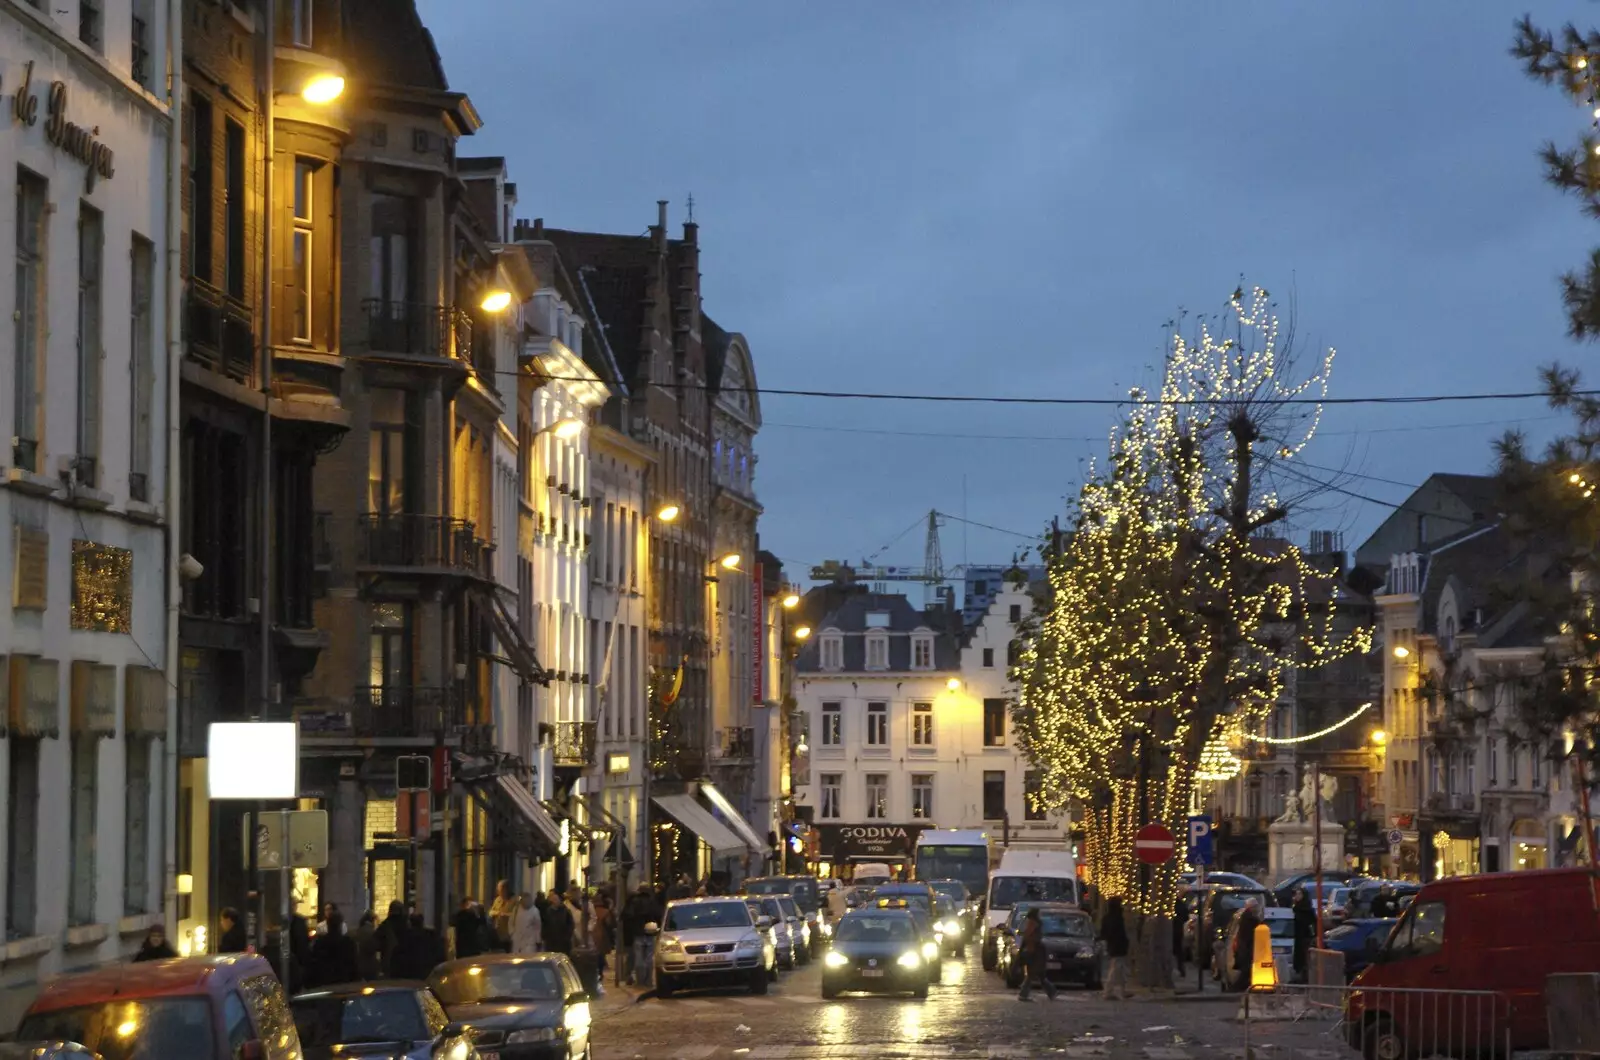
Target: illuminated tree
(1174, 614)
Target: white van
(1026, 876)
(871, 873)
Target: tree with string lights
(1174, 614)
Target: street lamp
(667, 513)
(1379, 737)
(570, 427)
(792, 600)
(1402, 652)
(496, 301)
(802, 632)
(954, 684)
(730, 561)
(323, 89)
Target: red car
(223, 1007)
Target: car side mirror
(253, 1050)
(763, 922)
(453, 1030)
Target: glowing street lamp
(323, 89)
(1402, 652)
(954, 684)
(802, 632)
(667, 512)
(496, 301)
(792, 600)
(730, 561)
(1379, 737)
(570, 427)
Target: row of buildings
(307, 423)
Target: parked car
(1501, 933)
(783, 939)
(1358, 939)
(219, 1007)
(45, 1051)
(799, 928)
(1280, 926)
(517, 1006)
(1367, 891)
(808, 893)
(1070, 952)
(712, 942)
(344, 1020)
(876, 950)
(1283, 891)
(1220, 879)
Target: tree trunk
(1151, 948)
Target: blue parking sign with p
(1200, 848)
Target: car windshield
(944, 905)
(129, 1030)
(881, 929)
(1233, 901)
(386, 1016)
(703, 915)
(955, 889)
(917, 901)
(1067, 924)
(1007, 891)
(790, 907)
(464, 984)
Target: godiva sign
(72, 139)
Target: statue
(1292, 813)
(1322, 793)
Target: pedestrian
(1244, 942)
(680, 888)
(1305, 930)
(580, 917)
(1033, 957)
(558, 926)
(233, 938)
(391, 933)
(601, 933)
(527, 927)
(1179, 919)
(503, 914)
(1385, 906)
(333, 956)
(369, 947)
(328, 909)
(1114, 934)
(419, 953)
(641, 909)
(155, 947)
(468, 935)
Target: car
(1069, 944)
(1216, 912)
(876, 950)
(338, 1021)
(1220, 879)
(712, 942)
(965, 902)
(1283, 891)
(1368, 891)
(225, 1006)
(517, 1006)
(779, 927)
(1280, 928)
(1359, 939)
(45, 1051)
(808, 893)
(799, 929)
(949, 926)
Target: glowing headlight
(930, 950)
(827, 930)
(910, 960)
(835, 959)
(533, 1034)
(576, 1018)
(1085, 951)
(948, 927)
(671, 942)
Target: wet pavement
(970, 1014)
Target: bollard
(1263, 965)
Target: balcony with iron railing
(390, 712)
(738, 746)
(219, 332)
(417, 329)
(572, 744)
(423, 543)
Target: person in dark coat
(1244, 942)
(469, 931)
(1114, 935)
(1386, 905)
(1305, 930)
(369, 947)
(234, 939)
(421, 951)
(558, 926)
(391, 933)
(333, 956)
(641, 909)
(156, 947)
(1033, 957)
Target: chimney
(538, 228)
(661, 214)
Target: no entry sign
(1152, 844)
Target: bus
(955, 854)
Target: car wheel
(1013, 979)
(1383, 1041)
(990, 957)
(829, 992)
(664, 986)
(921, 992)
(759, 983)
(1093, 982)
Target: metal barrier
(1381, 1023)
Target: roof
(850, 617)
(178, 977)
(1478, 492)
(389, 44)
(505, 958)
(1477, 565)
(382, 986)
(616, 272)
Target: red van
(1467, 962)
(224, 1007)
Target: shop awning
(535, 831)
(733, 817)
(697, 819)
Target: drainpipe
(174, 460)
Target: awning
(733, 817)
(598, 818)
(697, 819)
(535, 831)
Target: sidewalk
(617, 999)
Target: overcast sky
(1012, 197)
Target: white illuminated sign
(617, 763)
(253, 760)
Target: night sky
(1013, 198)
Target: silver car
(783, 933)
(713, 942)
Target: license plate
(1052, 965)
(492, 1054)
(872, 973)
(709, 958)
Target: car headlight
(576, 1018)
(835, 959)
(948, 927)
(827, 930)
(1085, 951)
(910, 960)
(671, 942)
(749, 944)
(532, 1034)
(930, 950)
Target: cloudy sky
(1012, 197)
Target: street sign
(1153, 844)
(308, 839)
(1395, 837)
(1201, 849)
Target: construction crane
(933, 574)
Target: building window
(877, 651)
(389, 439)
(1535, 768)
(85, 793)
(22, 831)
(390, 667)
(140, 57)
(141, 368)
(300, 23)
(988, 658)
(994, 795)
(831, 783)
(1494, 761)
(392, 247)
(922, 796)
(922, 725)
(233, 237)
(202, 187)
(32, 194)
(1014, 653)
(136, 827)
(301, 251)
(91, 247)
(833, 652)
(90, 18)
(1033, 808)
(1016, 614)
(877, 724)
(877, 620)
(1512, 753)
(994, 723)
(832, 725)
(921, 653)
(877, 796)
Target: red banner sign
(758, 625)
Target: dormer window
(921, 651)
(877, 651)
(877, 620)
(832, 651)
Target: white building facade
(84, 633)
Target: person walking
(155, 947)
(391, 934)
(680, 888)
(234, 939)
(1114, 934)
(1385, 906)
(527, 934)
(558, 926)
(469, 940)
(1179, 919)
(1244, 943)
(1305, 930)
(333, 957)
(419, 953)
(640, 910)
(369, 949)
(503, 914)
(1033, 957)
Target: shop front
(839, 846)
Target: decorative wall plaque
(30, 573)
(102, 587)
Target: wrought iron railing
(418, 329)
(423, 541)
(574, 744)
(406, 710)
(219, 332)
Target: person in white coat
(527, 934)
